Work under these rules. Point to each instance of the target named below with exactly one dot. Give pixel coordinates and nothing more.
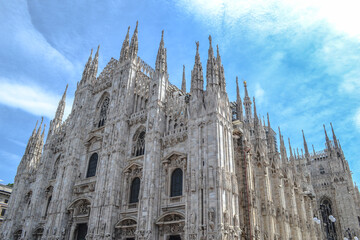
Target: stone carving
(232, 170)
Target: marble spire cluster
(139, 158)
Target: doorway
(81, 231)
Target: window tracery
(326, 211)
(139, 143)
(103, 112)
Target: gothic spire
(239, 109)
(307, 155)
(255, 113)
(221, 70)
(218, 58)
(124, 53)
(327, 139)
(39, 129)
(270, 136)
(247, 104)
(87, 67)
(161, 64)
(197, 78)
(334, 136)
(94, 65)
(211, 68)
(183, 84)
(313, 149)
(61, 107)
(290, 149)
(34, 131)
(134, 43)
(282, 148)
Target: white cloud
(1, 180)
(278, 15)
(9, 156)
(30, 98)
(22, 37)
(357, 119)
(259, 93)
(21, 144)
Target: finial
(128, 29)
(162, 34)
(210, 40)
(183, 84)
(313, 149)
(291, 154)
(197, 46)
(217, 50)
(244, 83)
(137, 23)
(334, 136)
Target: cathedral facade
(139, 158)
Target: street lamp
(331, 217)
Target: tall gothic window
(92, 165)
(134, 190)
(139, 148)
(326, 211)
(176, 183)
(103, 112)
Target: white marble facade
(138, 158)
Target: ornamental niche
(171, 225)
(125, 229)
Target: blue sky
(301, 59)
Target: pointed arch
(102, 109)
(326, 210)
(176, 183)
(92, 165)
(170, 217)
(139, 142)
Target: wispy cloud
(357, 119)
(22, 37)
(277, 15)
(6, 156)
(29, 97)
(19, 143)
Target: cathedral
(139, 158)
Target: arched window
(139, 148)
(326, 211)
(134, 190)
(176, 183)
(103, 112)
(92, 165)
(321, 169)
